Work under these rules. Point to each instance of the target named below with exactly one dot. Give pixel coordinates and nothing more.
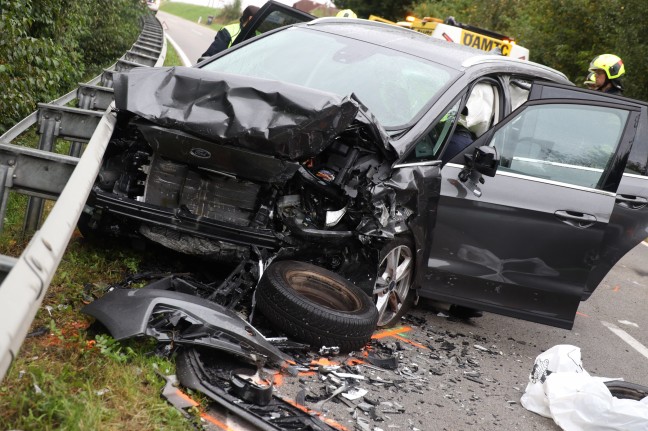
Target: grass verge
(67, 376)
(172, 58)
(193, 13)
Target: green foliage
(389, 9)
(231, 11)
(48, 46)
(111, 348)
(565, 35)
(172, 58)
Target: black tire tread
(308, 321)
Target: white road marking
(627, 338)
(627, 322)
(181, 54)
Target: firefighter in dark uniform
(227, 34)
(608, 70)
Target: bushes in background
(48, 46)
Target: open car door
(272, 15)
(553, 220)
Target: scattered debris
(38, 332)
(263, 377)
(328, 351)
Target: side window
(638, 160)
(561, 142)
(446, 139)
(430, 146)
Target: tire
(393, 293)
(627, 390)
(316, 306)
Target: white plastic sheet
(560, 388)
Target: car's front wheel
(316, 306)
(393, 293)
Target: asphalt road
(192, 38)
(610, 330)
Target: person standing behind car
(608, 69)
(227, 34)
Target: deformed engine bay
(320, 194)
(284, 184)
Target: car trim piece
(641, 177)
(426, 163)
(485, 59)
(545, 181)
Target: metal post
(4, 194)
(84, 101)
(49, 127)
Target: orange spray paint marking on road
(391, 332)
(582, 314)
(616, 288)
(186, 397)
(397, 333)
(330, 422)
(413, 343)
(277, 379)
(212, 420)
(323, 362)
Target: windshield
(394, 86)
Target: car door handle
(575, 218)
(632, 202)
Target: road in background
(193, 39)
(610, 329)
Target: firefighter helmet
(611, 64)
(346, 13)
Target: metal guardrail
(43, 174)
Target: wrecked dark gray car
(320, 159)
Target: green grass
(194, 12)
(172, 58)
(72, 378)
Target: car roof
(453, 55)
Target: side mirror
(484, 161)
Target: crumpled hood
(268, 117)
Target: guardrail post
(49, 126)
(4, 193)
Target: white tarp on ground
(560, 388)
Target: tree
(389, 9)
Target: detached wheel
(393, 293)
(316, 306)
(627, 390)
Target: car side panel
(507, 252)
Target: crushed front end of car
(294, 189)
(220, 165)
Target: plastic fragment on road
(355, 393)
(560, 388)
